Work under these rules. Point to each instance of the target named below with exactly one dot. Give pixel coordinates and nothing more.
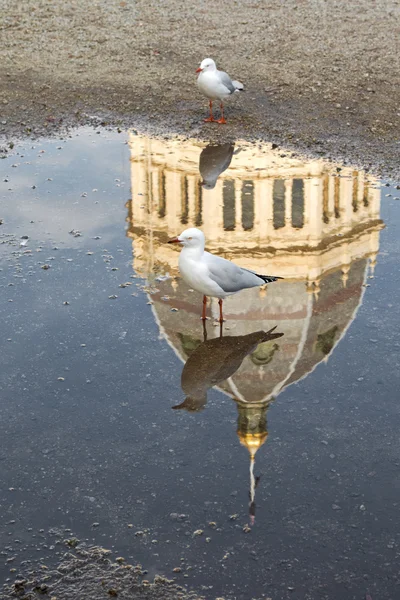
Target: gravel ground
(321, 75)
(88, 573)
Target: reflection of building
(300, 219)
(266, 208)
(292, 217)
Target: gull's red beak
(174, 240)
(199, 70)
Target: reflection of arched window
(189, 343)
(325, 199)
(199, 205)
(298, 203)
(162, 205)
(336, 196)
(248, 205)
(264, 353)
(185, 202)
(326, 340)
(355, 191)
(365, 194)
(278, 197)
(229, 213)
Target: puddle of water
(276, 474)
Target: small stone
(198, 532)
(246, 529)
(61, 379)
(45, 267)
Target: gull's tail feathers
(239, 87)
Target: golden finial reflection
(252, 433)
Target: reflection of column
(191, 190)
(139, 192)
(288, 202)
(345, 199)
(238, 205)
(264, 207)
(173, 199)
(374, 201)
(212, 211)
(313, 193)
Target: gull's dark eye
(190, 238)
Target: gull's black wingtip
(268, 278)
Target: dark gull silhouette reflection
(214, 160)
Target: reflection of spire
(252, 433)
(214, 160)
(213, 361)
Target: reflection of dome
(272, 213)
(311, 327)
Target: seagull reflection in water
(214, 160)
(214, 361)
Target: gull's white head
(207, 65)
(190, 238)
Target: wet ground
(282, 480)
(322, 76)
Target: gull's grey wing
(226, 81)
(229, 276)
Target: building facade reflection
(313, 224)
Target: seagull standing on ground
(216, 85)
(212, 275)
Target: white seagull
(216, 85)
(212, 275)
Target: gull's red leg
(221, 318)
(203, 316)
(210, 119)
(222, 119)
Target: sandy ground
(321, 75)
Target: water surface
(255, 466)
